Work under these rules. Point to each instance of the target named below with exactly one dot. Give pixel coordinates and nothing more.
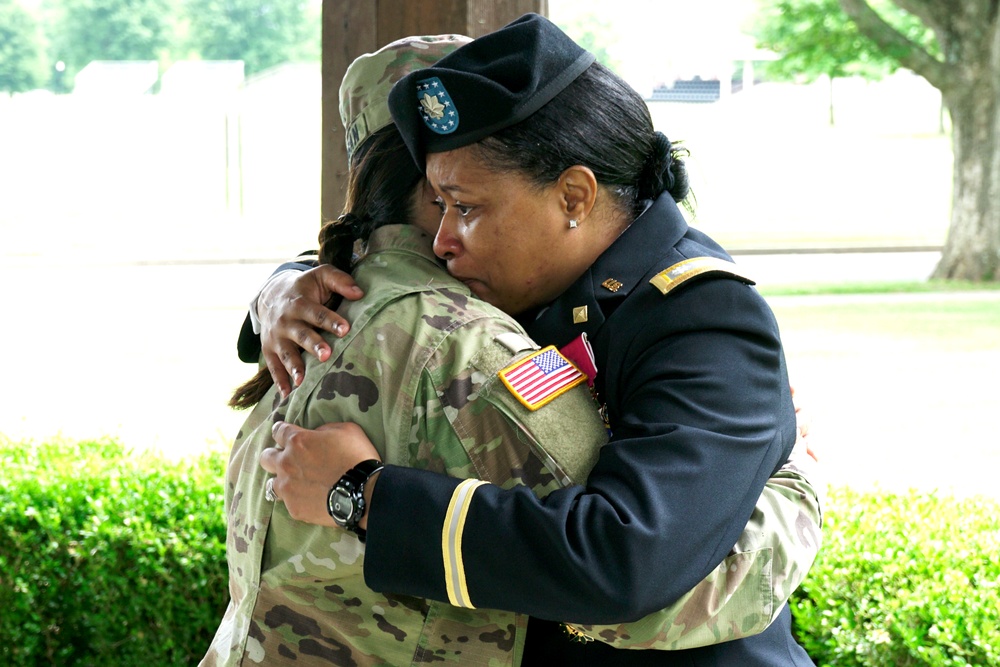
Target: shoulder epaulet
(681, 272)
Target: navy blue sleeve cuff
(403, 548)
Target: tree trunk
(831, 118)
(968, 75)
(972, 250)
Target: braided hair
(380, 191)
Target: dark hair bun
(664, 171)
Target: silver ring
(269, 490)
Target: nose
(446, 243)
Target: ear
(578, 191)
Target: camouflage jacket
(408, 372)
(418, 371)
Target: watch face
(341, 506)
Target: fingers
(339, 282)
(286, 435)
(307, 338)
(275, 459)
(269, 459)
(328, 281)
(811, 451)
(291, 361)
(278, 373)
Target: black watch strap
(352, 485)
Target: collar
(406, 238)
(627, 261)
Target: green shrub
(111, 558)
(108, 557)
(904, 579)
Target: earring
(572, 224)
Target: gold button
(580, 315)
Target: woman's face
(503, 236)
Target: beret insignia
(436, 107)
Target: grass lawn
(901, 387)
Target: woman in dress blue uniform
(559, 205)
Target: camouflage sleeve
(745, 593)
(454, 432)
(498, 445)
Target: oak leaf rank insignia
(436, 106)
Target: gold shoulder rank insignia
(681, 272)
(540, 377)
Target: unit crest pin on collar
(612, 284)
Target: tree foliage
(814, 38)
(955, 46)
(593, 33)
(21, 65)
(261, 34)
(87, 30)
(80, 31)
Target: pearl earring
(572, 224)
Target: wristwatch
(346, 500)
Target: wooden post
(355, 27)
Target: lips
(459, 277)
(474, 285)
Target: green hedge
(111, 558)
(904, 579)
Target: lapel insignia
(436, 108)
(579, 315)
(612, 285)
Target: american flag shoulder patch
(540, 377)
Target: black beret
(491, 83)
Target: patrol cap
(496, 81)
(365, 89)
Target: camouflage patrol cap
(364, 93)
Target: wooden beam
(354, 27)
